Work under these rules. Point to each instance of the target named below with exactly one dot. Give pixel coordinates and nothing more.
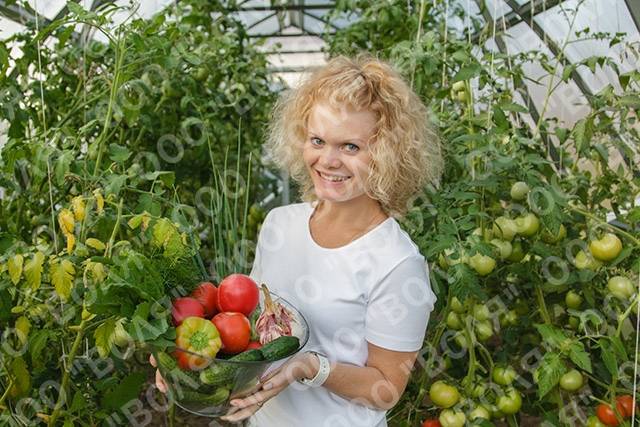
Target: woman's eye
(316, 141)
(352, 147)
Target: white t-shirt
(374, 289)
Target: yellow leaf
(97, 193)
(33, 270)
(66, 221)
(62, 273)
(94, 243)
(97, 271)
(15, 268)
(77, 204)
(23, 326)
(71, 241)
(145, 220)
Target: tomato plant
(443, 395)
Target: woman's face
(336, 151)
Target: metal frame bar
(261, 20)
(634, 10)
(287, 7)
(321, 19)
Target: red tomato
(206, 293)
(431, 423)
(238, 293)
(185, 307)
(625, 405)
(235, 331)
(606, 415)
(254, 345)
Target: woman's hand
(162, 386)
(304, 365)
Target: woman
(357, 140)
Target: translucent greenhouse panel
(9, 28)
(497, 8)
(610, 16)
(47, 8)
(270, 24)
(566, 103)
(470, 8)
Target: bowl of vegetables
(217, 359)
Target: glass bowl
(240, 378)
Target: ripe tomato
(235, 331)
(185, 307)
(606, 248)
(625, 405)
(238, 293)
(482, 264)
(254, 345)
(606, 415)
(431, 423)
(621, 287)
(572, 380)
(519, 190)
(443, 395)
(206, 293)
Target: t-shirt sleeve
(399, 306)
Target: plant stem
(107, 249)
(541, 304)
(67, 374)
(606, 224)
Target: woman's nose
(330, 158)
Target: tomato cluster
(213, 319)
(606, 415)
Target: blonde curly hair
(406, 154)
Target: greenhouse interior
(319, 212)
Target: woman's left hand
(299, 366)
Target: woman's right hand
(160, 383)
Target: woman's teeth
(334, 178)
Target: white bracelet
(323, 372)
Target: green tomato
(517, 253)
(593, 421)
(510, 402)
(527, 225)
(509, 318)
(482, 264)
(201, 74)
(453, 321)
(572, 380)
(505, 228)
(606, 248)
(583, 261)
(463, 96)
(484, 330)
(451, 418)
(481, 312)
(519, 190)
(573, 300)
(479, 390)
(621, 287)
(487, 235)
(504, 248)
(550, 238)
(457, 306)
(169, 90)
(480, 412)
(443, 394)
(504, 376)
(461, 339)
(574, 323)
(458, 86)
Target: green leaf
(103, 336)
(549, 372)
(579, 356)
(467, 72)
(552, 335)
(128, 389)
(118, 153)
(114, 184)
(62, 166)
(33, 270)
(512, 106)
(608, 357)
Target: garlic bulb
(274, 321)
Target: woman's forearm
(364, 385)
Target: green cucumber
(280, 347)
(217, 398)
(222, 373)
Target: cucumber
(280, 347)
(217, 398)
(222, 373)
